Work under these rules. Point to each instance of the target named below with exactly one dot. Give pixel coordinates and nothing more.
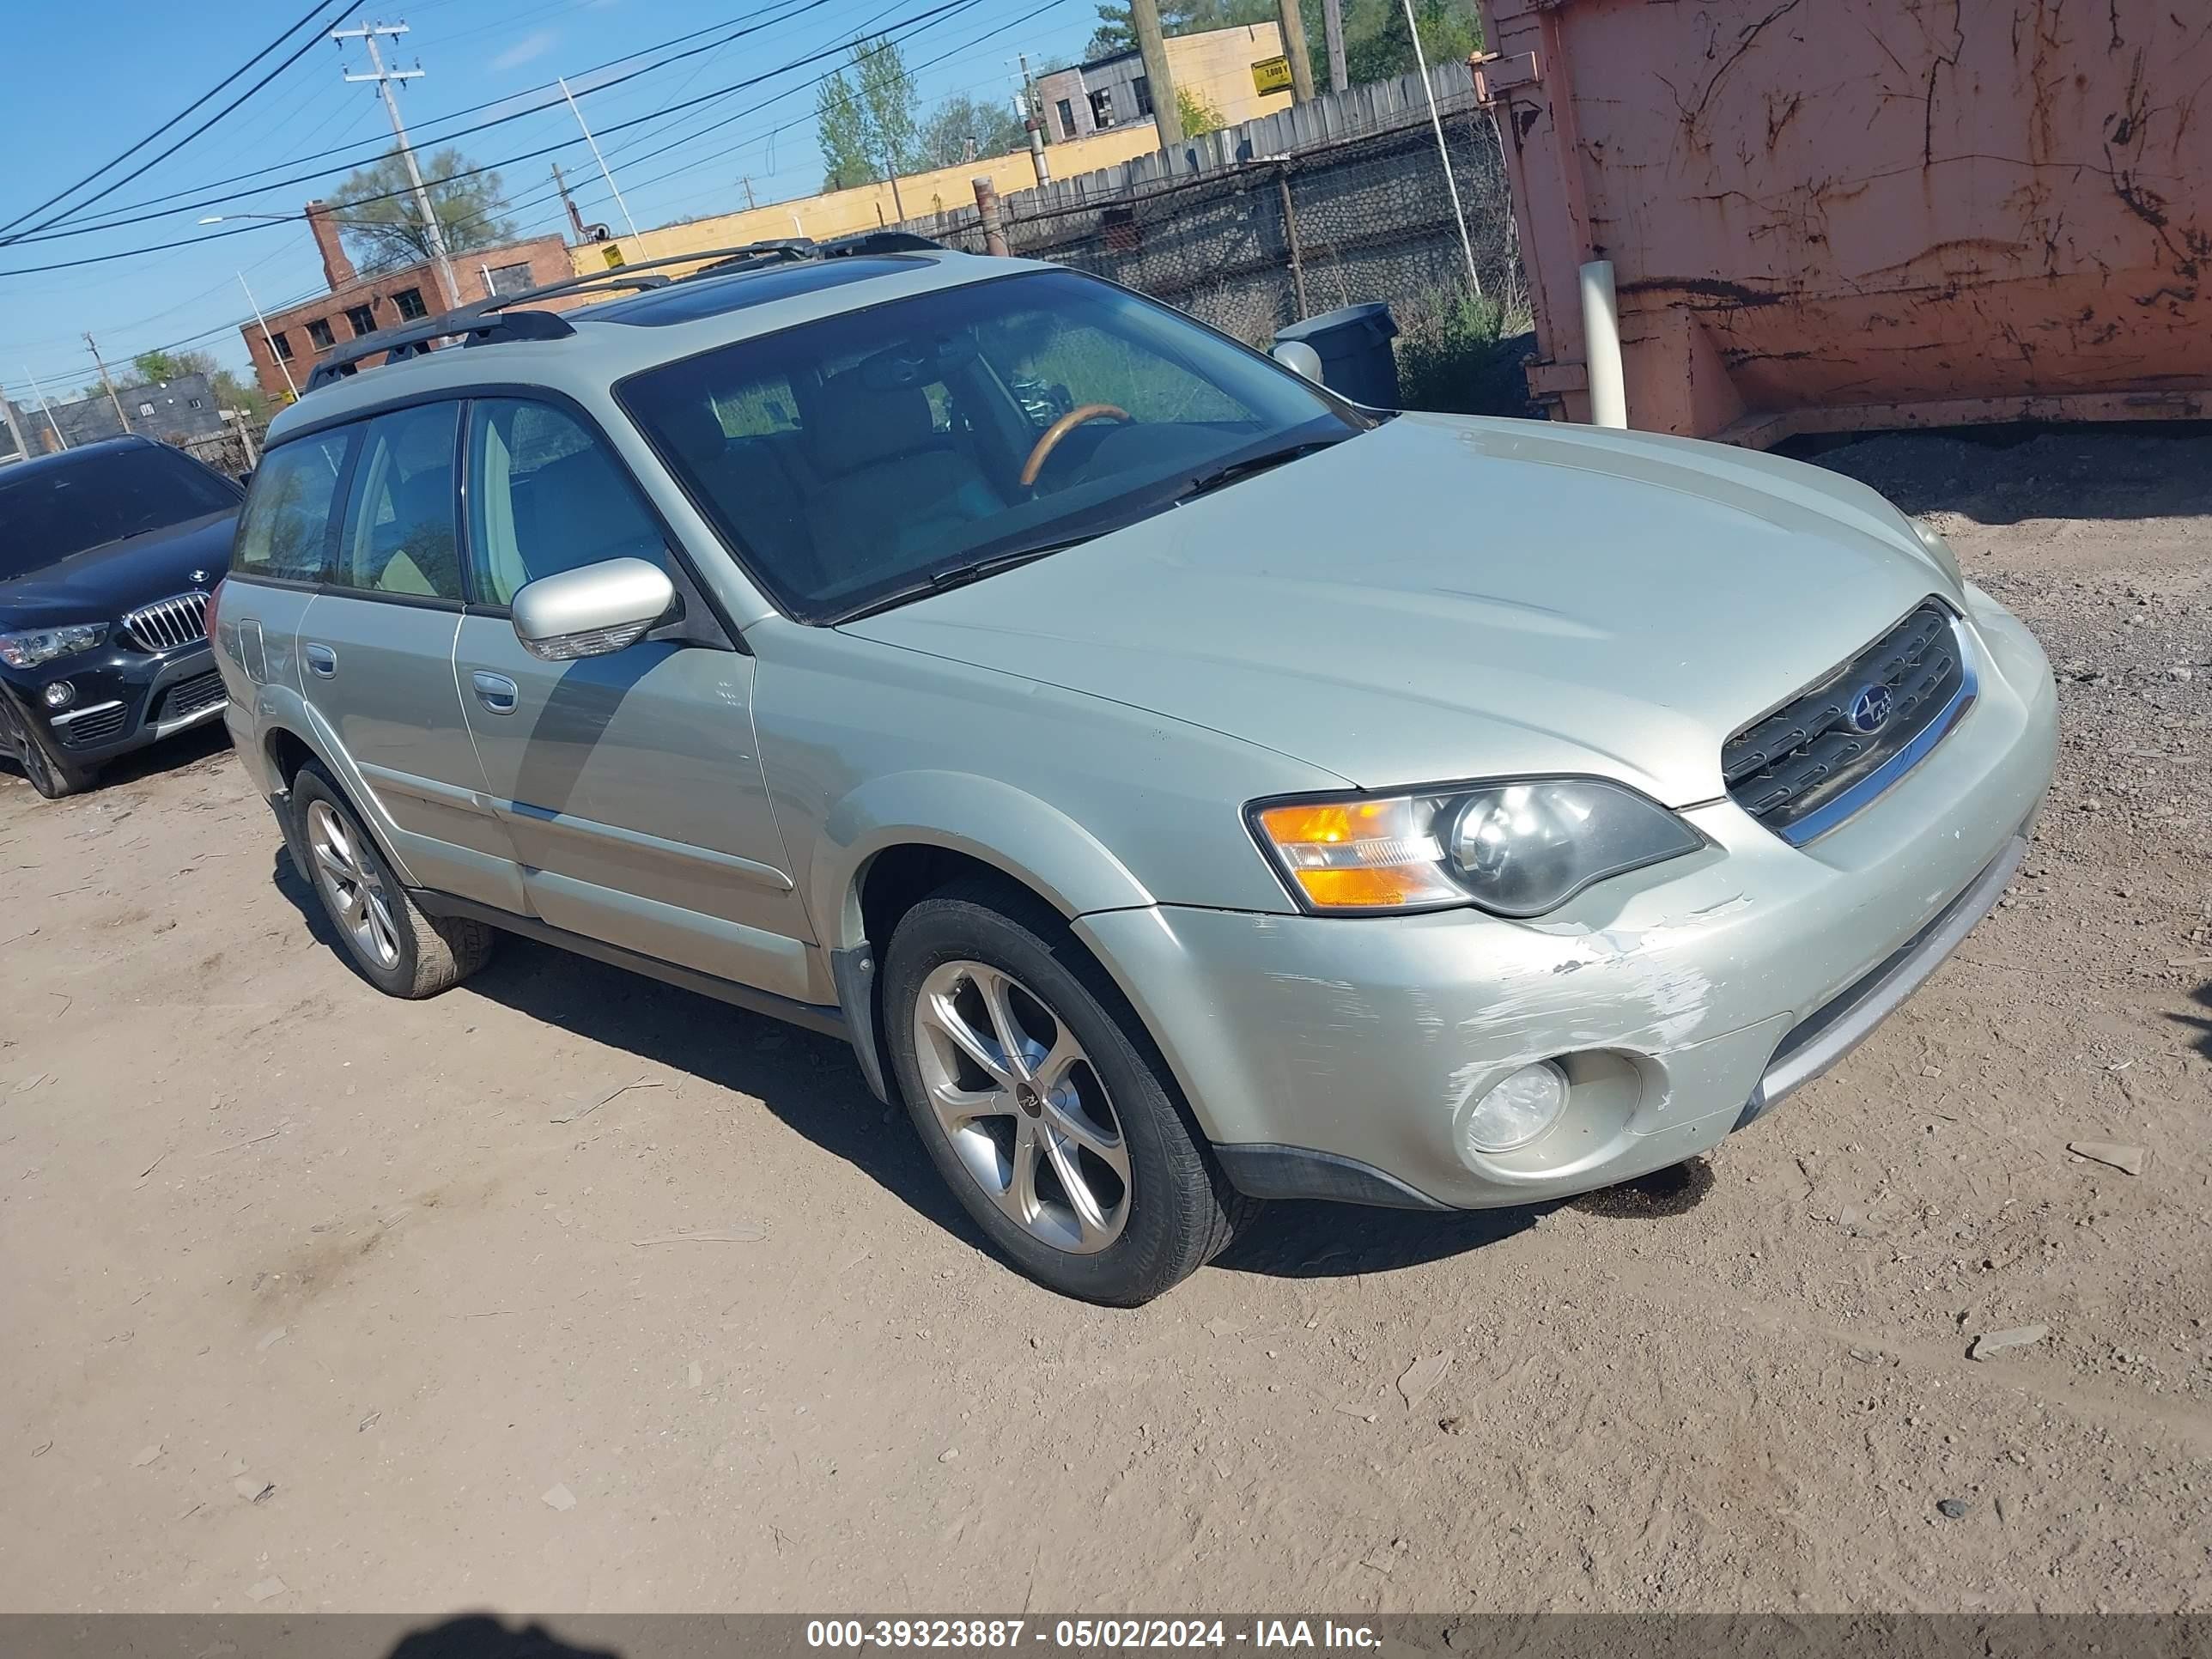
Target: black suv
(107, 554)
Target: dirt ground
(314, 1300)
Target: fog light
(1518, 1109)
(60, 693)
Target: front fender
(988, 820)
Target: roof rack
(490, 321)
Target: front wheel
(49, 774)
(1044, 1106)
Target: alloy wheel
(351, 885)
(1022, 1106)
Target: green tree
(382, 230)
(230, 392)
(867, 118)
(1198, 114)
(1116, 33)
(1376, 46)
(995, 130)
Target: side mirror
(1300, 358)
(593, 610)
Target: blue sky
(83, 81)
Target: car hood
(101, 583)
(1445, 597)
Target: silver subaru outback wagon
(1182, 787)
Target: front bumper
(1330, 1057)
(124, 700)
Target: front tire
(1043, 1103)
(53, 777)
(390, 942)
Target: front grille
(168, 624)
(97, 727)
(1802, 768)
(191, 697)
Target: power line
(114, 185)
(199, 195)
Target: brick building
(1216, 65)
(359, 304)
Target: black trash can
(1353, 344)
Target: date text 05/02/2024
(1291, 1635)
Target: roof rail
(490, 321)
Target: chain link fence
(1272, 239)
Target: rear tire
(390, 942)
(1076, 1158)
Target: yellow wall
(841, 212)
(1218, 64)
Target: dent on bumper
(1365, 1040)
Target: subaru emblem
(1870, 708)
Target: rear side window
(286, 531)
(398, 539)
(546, 495)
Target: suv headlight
(33, 646)
(1939, 549)
(1518, 848)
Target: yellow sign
(1271, 74)
(613, 255)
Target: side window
(546, 495)
(286, 529)
(398, 537)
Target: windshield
(861, 456)
(50, 512)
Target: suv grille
(168, 624)
(191, 697)
(1810, 764)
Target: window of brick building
(318, 332)
(363, 319)
(408, 302)
(283, 346)
(1066, 108)
(510, 279)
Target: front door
(376, 658)
(629, 784)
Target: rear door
(376, 656)
(279, 560)
(630, 783)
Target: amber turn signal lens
(1359, 854)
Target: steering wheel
(1059, 428)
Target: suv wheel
(1044, 1104)
(51, 775)
(397, 948)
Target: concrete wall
(1215, 64)
(545, 256)
(1866, 213)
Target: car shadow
(813, 1084)
(171, 755)
(2200, 1024)
(484, 1636)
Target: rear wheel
(394, 944)
(1044, 1104)
(50, 774)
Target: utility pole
(109, 384)
(1294, 48)
(600, 159)
(432, 233)
(576, 219)
(1331, 21)
(1167, 116)
(283, 368)
(1031, 108)
(746, 182)
(40, 392)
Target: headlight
(1516, 849)
(1939, 549)
(36, 645)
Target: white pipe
(1608, 389)
(600, 159)
(1444, 151)
(49, 408)
(283, 368)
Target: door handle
(494, 691)
(321, 660)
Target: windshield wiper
(959, 575)
(1234, 470)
